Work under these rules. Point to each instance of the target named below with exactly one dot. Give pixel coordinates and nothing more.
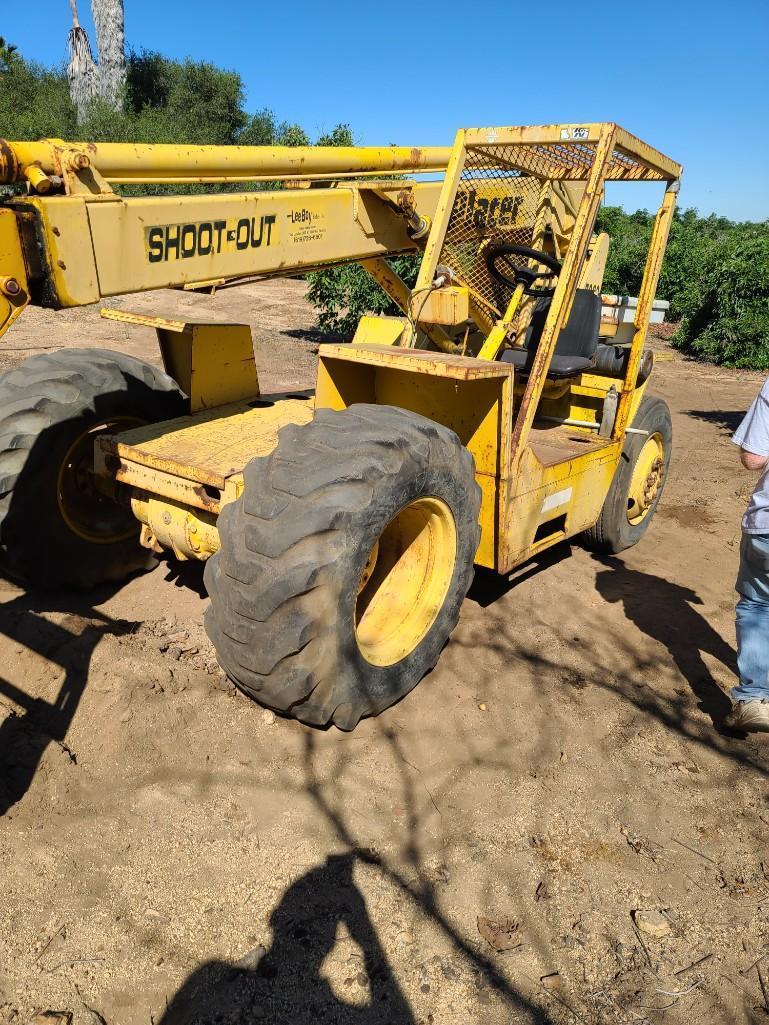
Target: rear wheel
(344, 564)
(638, 482)
(56, 527)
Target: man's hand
(751, 461)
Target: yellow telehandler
(502, 412)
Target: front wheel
(344, 564)
(638, 481)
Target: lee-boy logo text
(202, 238)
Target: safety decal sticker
(556, 500)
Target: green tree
(715, 275)
(342, 295)
(339, 136)
(35, 103)
(629, 234)
(725, 304)
(183, 101)
(9, 55)
(292, 135)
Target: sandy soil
(171, 853)
(282, 323)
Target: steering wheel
(522, 275)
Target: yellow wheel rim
(405, 581)
(647, 478)
(89, 514)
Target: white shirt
(753, 436)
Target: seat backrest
(579, 336)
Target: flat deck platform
(560, 443)
(210, 447)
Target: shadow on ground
(187, 574)
(25, 736)
(316, 335)
(290, 981)
(727, 419)
(667, 613)
(679, 635)
(488, 587)
(286, 982)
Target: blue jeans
(753, 619)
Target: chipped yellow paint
(498, 334)
(123, 162)
(541, 479)
(14, 290)
(445, 306)
(647, 478)
(142, 319)
(213, 364)
(473, 398)
(209, 447)
(188, 533)
(379, 330)
(564, 477)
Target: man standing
(750, 710)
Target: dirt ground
(171, 853)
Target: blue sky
(691, 78)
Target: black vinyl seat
(577, 345)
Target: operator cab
(579, 348)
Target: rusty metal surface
(119, 162)
(209, 447)
(9, 165)
(420, 361)
(14, 289)
(567, 151)
(143, 320)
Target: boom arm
(119, 162)
(72, 240)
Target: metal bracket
(610, 404)
(213, 363)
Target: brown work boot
(750, 716)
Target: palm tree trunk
(109, 21)
(82, 73)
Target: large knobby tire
(344, 563)
(638, 481)
(56, 529)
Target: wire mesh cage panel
(503, 196)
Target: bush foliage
(725, 308)
(342, 295)
(715, 276)
(166, 101)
